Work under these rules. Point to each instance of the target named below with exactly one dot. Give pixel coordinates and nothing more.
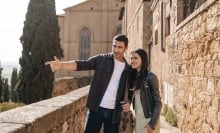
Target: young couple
(108, 86)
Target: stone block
(216, 69)
(12, 127)
(209, 68)
(50, 115)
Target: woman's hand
(149, 129)
(125, 106)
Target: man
(107, 86)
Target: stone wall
(197, 70)
(190, 66)
(66, 84)
(61, 114)
(137, 23)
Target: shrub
(165, 109)
(8, 106)
(170, 116)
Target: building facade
(87, 29)
(137, 24)
(184, 52)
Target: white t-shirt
(108, 100)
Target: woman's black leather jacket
(150, 97)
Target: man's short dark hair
(121, 38)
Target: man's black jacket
(103, 65)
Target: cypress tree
(5, 90)
(1, 83)
(14, 79)
(40, 42)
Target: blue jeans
(95, 120)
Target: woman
(143, 94)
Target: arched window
(85, 42)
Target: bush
(165, 109)
(8, 106)
(170, 116)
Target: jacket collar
(111, 56)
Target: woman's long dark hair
(135, 78)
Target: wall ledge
(47, 115)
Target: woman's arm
(157, 104)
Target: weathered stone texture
(197, 76)
(100, 17)
(138, 33)
(66, 84)
(61, 114)
(189, 67)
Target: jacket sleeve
(157, 104)
(89, 64)
(130, 95)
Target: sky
(12, 13)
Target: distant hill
(8, 68)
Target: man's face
(118, 49)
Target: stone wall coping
(32, 117)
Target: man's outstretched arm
(56, 65)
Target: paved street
(166, 128)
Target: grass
(7, 106)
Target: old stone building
(184, 51)
(87, 29)
(137, 23)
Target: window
(167, 28)
(161, 25)
(85, 42)
(171, 3)
(186, 7)
(156, 36)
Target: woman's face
(136, 61)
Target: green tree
(40, 42)
(5, 90)
(0, 83)
(14, 80)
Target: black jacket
(150, 98)
(103, 65)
